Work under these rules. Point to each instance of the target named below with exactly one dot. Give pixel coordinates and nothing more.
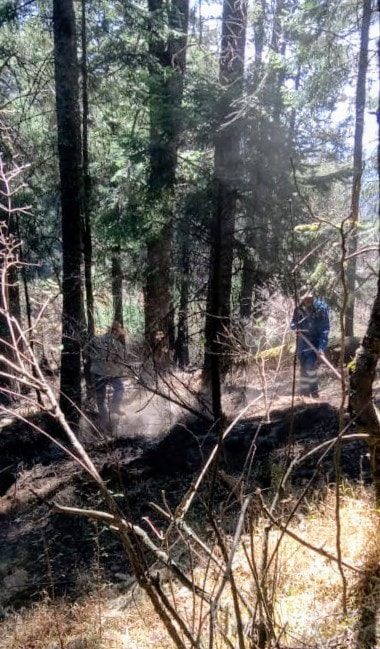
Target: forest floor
(65, 580)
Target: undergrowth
(304, 586)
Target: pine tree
(227, 174)
(69, 153)
(167, 68)
(357, 165)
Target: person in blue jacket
(312, 325)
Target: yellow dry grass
(308, 586)
(306, 589)
(53, 625)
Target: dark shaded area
(186, 446)
(59, 552)
(369, 607)
(22, 446)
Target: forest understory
(189, 240)
(66, 581)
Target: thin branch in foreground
(123, 526)
(299, 539)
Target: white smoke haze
(150, 412)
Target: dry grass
(306, 591)
(308, 586)
(96, 622)
(51, 625)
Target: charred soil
(45, 552)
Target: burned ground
(44, 552)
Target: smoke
(151, 410)
(147, 415)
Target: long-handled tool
(322, 357)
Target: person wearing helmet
(312, 325)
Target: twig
(122, 525)
(183, 508)
(228, 568)
(302, 541)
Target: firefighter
(108, 354)
(312, 325)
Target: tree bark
(86, 212)
(168, 61)
(248, 277)
(227, 174)
(357, 165)
(363, 374)
(69, 153)
(9, 285)
(361, 389)
(182, 342)
(249, 281)
(117, 286)
(6, 349)
(87, 235)
(6, 383)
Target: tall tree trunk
(182, 342)
(6, 382)
(167, 70)
(293, 113)
(10, 306)
(14, 292)
(363, 374)
(248, 279)
(227, 174)
(69, 152)
(87, 235)
(117, 285)
(28, 306)
(249, 271)
(86, 212)
(361, 389)
(357, 165)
